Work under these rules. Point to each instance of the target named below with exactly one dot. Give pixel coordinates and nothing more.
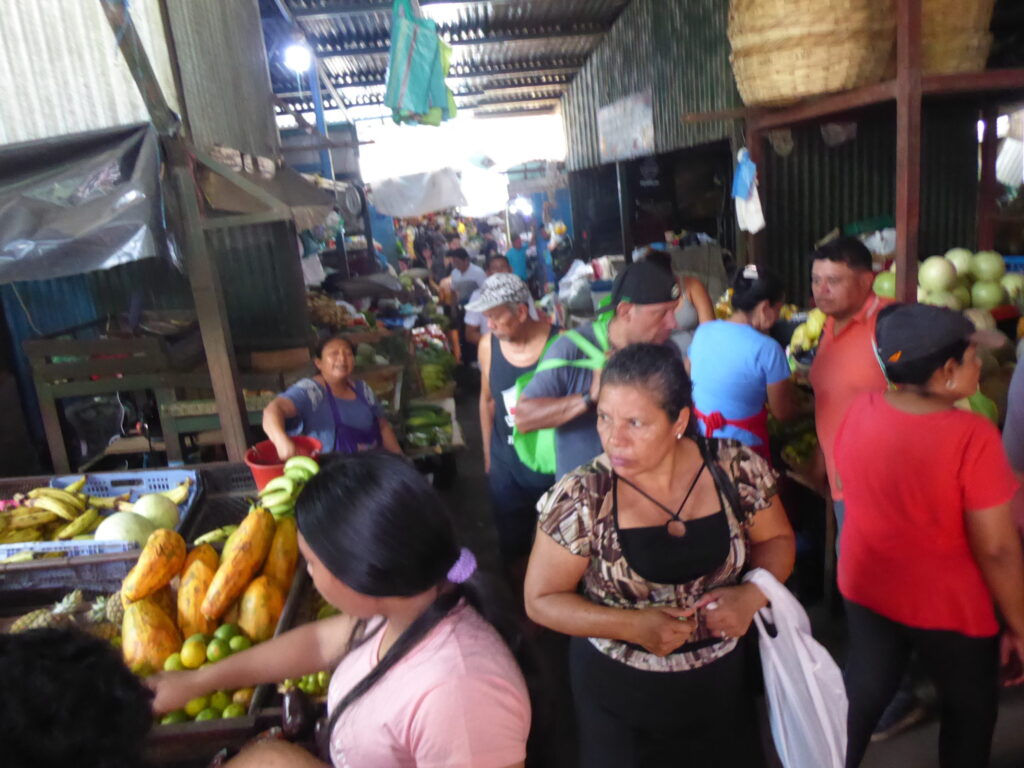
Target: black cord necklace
(674, 525)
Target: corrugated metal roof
(62, 73)
(491, 41)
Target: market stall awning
(418, 193)
(79, 203)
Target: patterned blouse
(577, 513)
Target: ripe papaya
(193, 589)
(164, 598)
(242, 558)
(284, 553)
(160, 561)
(148, 637)
(262, 604)
(203, 552)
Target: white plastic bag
(804, 687)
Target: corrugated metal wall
(61, 71)
(263, 291)
(224, 75)
(816, 188)
(678, 49)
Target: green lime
(323, 679)
(173, 663)
(197, 705)
(227, 631)
(240, 643)
(218, 649)
(234, 710)
(199, 637)
(208, 714)
(177, 716)
(193, 652)
(220, 700)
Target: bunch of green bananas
(279, 495)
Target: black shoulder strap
(709, 451)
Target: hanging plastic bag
(749, 215)
(412, 60)
(803, 685)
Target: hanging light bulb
(298, 57)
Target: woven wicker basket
(955, 52)
(787, 50)
(944, 16)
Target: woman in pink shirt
(426, 677)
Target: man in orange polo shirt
(845, 364)
(844, 367)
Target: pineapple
(57, 616)
(98, 623)
(115, 609)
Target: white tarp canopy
(418, 193)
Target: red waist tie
(757, 425)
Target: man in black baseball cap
(642, 310)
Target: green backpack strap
(536, 450)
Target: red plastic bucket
(265, 464)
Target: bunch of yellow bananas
(807, 334)
(59, 514)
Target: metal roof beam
(340, 10)
(459, 37)
(469, 100)
(528, 82)
(524, 69)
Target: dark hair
(918, 371)
(68, 699)
(452, 236)
(459, 253)
(748, 292)
(494, 258)
(318, 350)
(379, 527)
(662, 258)
(845, 250)
(656, 368)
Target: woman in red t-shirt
(928, 543)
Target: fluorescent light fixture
(298, 57)
(522, 206)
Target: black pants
(629, 718)
(965, 670)
(514, 505)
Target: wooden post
(208, 295)
(625, 210)
(163, 117)
(988, 187)
(908, 146)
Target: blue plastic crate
(1014, 263)
(138, 484)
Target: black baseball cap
(907, 332)
(643, 282)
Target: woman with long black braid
(427, 673)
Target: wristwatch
(588, 400)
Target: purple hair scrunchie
(464, 567)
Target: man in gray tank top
(514, 345)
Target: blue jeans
(840, 510)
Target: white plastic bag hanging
(803, 685)
(749, 215)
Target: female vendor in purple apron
(338, 410)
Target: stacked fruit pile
(428, 425)
(61, 514)
(807, 334)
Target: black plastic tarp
(79, 203)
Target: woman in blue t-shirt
(339, 411)
(736, 366)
